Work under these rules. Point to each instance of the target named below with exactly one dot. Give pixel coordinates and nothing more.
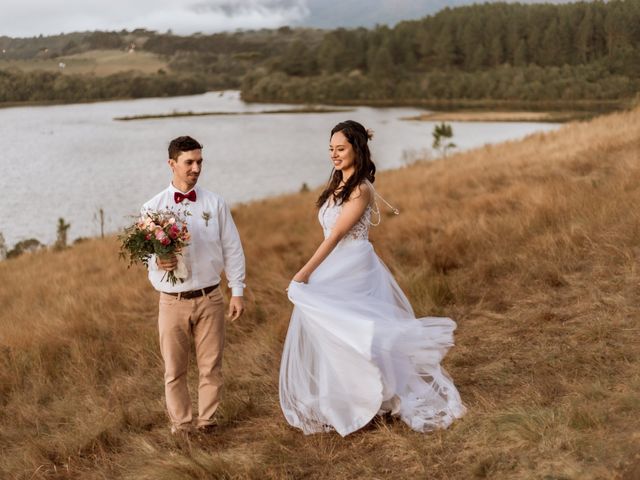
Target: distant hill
(94, 62)
(495, 52)
(53, 46)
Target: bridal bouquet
(163, 233)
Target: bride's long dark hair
(364, 168)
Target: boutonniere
(206, 216)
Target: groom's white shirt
(214, 246)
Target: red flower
(174, 231)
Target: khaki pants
(178, 321)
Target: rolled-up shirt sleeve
(233, 255)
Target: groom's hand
(167, 263)
(236, 308)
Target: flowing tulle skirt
(355, 349)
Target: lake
(71, 160)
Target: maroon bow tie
(179, 197)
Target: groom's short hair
(182, 144)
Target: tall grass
(531, 246)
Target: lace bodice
(328, 215)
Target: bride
(354, 347)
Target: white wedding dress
(354, 348)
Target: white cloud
(34, 17)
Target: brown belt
(193, 293)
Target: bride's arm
(352, 210)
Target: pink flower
(160, 235)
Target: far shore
(501, 116)
(308, 109)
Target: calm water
(71, 160)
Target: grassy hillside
(531, 246)
(96, 62)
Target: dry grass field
(532, 246)
(97, 62)
(501, 116)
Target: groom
(194, 309)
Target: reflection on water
(71, 160)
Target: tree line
(42, 86)
(582, 51)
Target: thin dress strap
(376, 209)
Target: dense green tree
(381, 64)
(444, 48)
(496, 52)
(332, 54)
(584, 37)
(520, 56)
(469, 47)
(298, 60)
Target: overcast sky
(25, 18)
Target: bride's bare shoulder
(363, 191)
